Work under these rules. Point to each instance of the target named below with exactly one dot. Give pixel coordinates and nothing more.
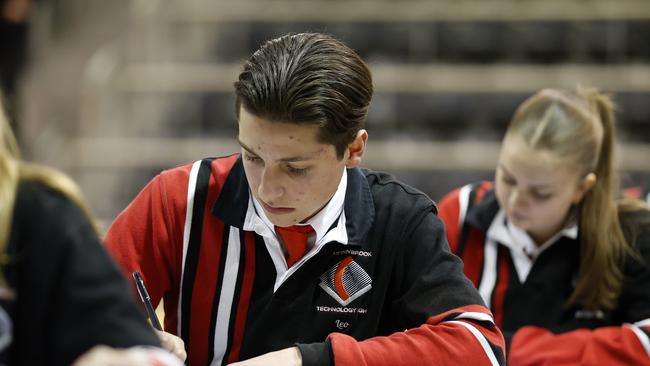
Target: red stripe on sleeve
(484, 187)
(436, 342)
(221, 168)
(448, 210)
(173, 198)
(473, 255)
(206, 280)
(245, 298)
(499, 294)
(209, 260)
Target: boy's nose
(270, 188)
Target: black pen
(146, 300)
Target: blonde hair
(581, 125)
(12, 171)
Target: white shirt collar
(522, 247)
(324, 219)
(257, 221)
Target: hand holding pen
(169, 341)
(146, 300)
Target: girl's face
(537, 189)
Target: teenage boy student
(288, 253)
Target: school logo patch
(346, 281)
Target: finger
(173, 344)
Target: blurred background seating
(117, 91)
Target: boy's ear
(356, 149)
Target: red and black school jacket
(539, 327)
(393, 295)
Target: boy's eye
(297, 171)
(252, 159)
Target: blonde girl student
(559, 259)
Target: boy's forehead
(285, 147)
(282, 140)
(260, 127)
(246, 116)
(287, 151)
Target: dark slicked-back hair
(308, 78)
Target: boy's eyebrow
(286, 160)
(248, 149)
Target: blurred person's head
(9, 174)
(554, 152)
(301, 102)
(556, 166)
(12, 171)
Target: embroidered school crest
(346, 281)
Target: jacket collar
(481, 214)
(232, 203)
(359, 206)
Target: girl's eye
(540, 196)
(509, 181)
